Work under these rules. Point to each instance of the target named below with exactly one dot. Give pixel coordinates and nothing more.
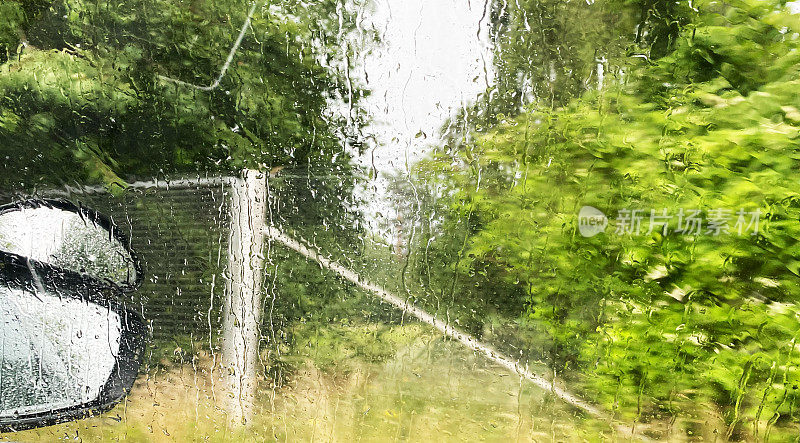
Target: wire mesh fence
(179, 230)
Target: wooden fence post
(243, 292)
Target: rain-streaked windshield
(410, 220)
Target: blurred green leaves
(687, 326)
(92, 71)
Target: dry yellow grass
(430, 390)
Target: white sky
(431, 62)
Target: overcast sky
(430, 63)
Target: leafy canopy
(85, 88)
(660, 323)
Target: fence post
(243, 291)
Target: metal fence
(179, 228)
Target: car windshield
(406, 219)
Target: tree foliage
(679, 325)
(88, 87)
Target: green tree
(87, 87)
(679, 325)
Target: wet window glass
(380, 220)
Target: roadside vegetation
(652, 324)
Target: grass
(354, 383)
